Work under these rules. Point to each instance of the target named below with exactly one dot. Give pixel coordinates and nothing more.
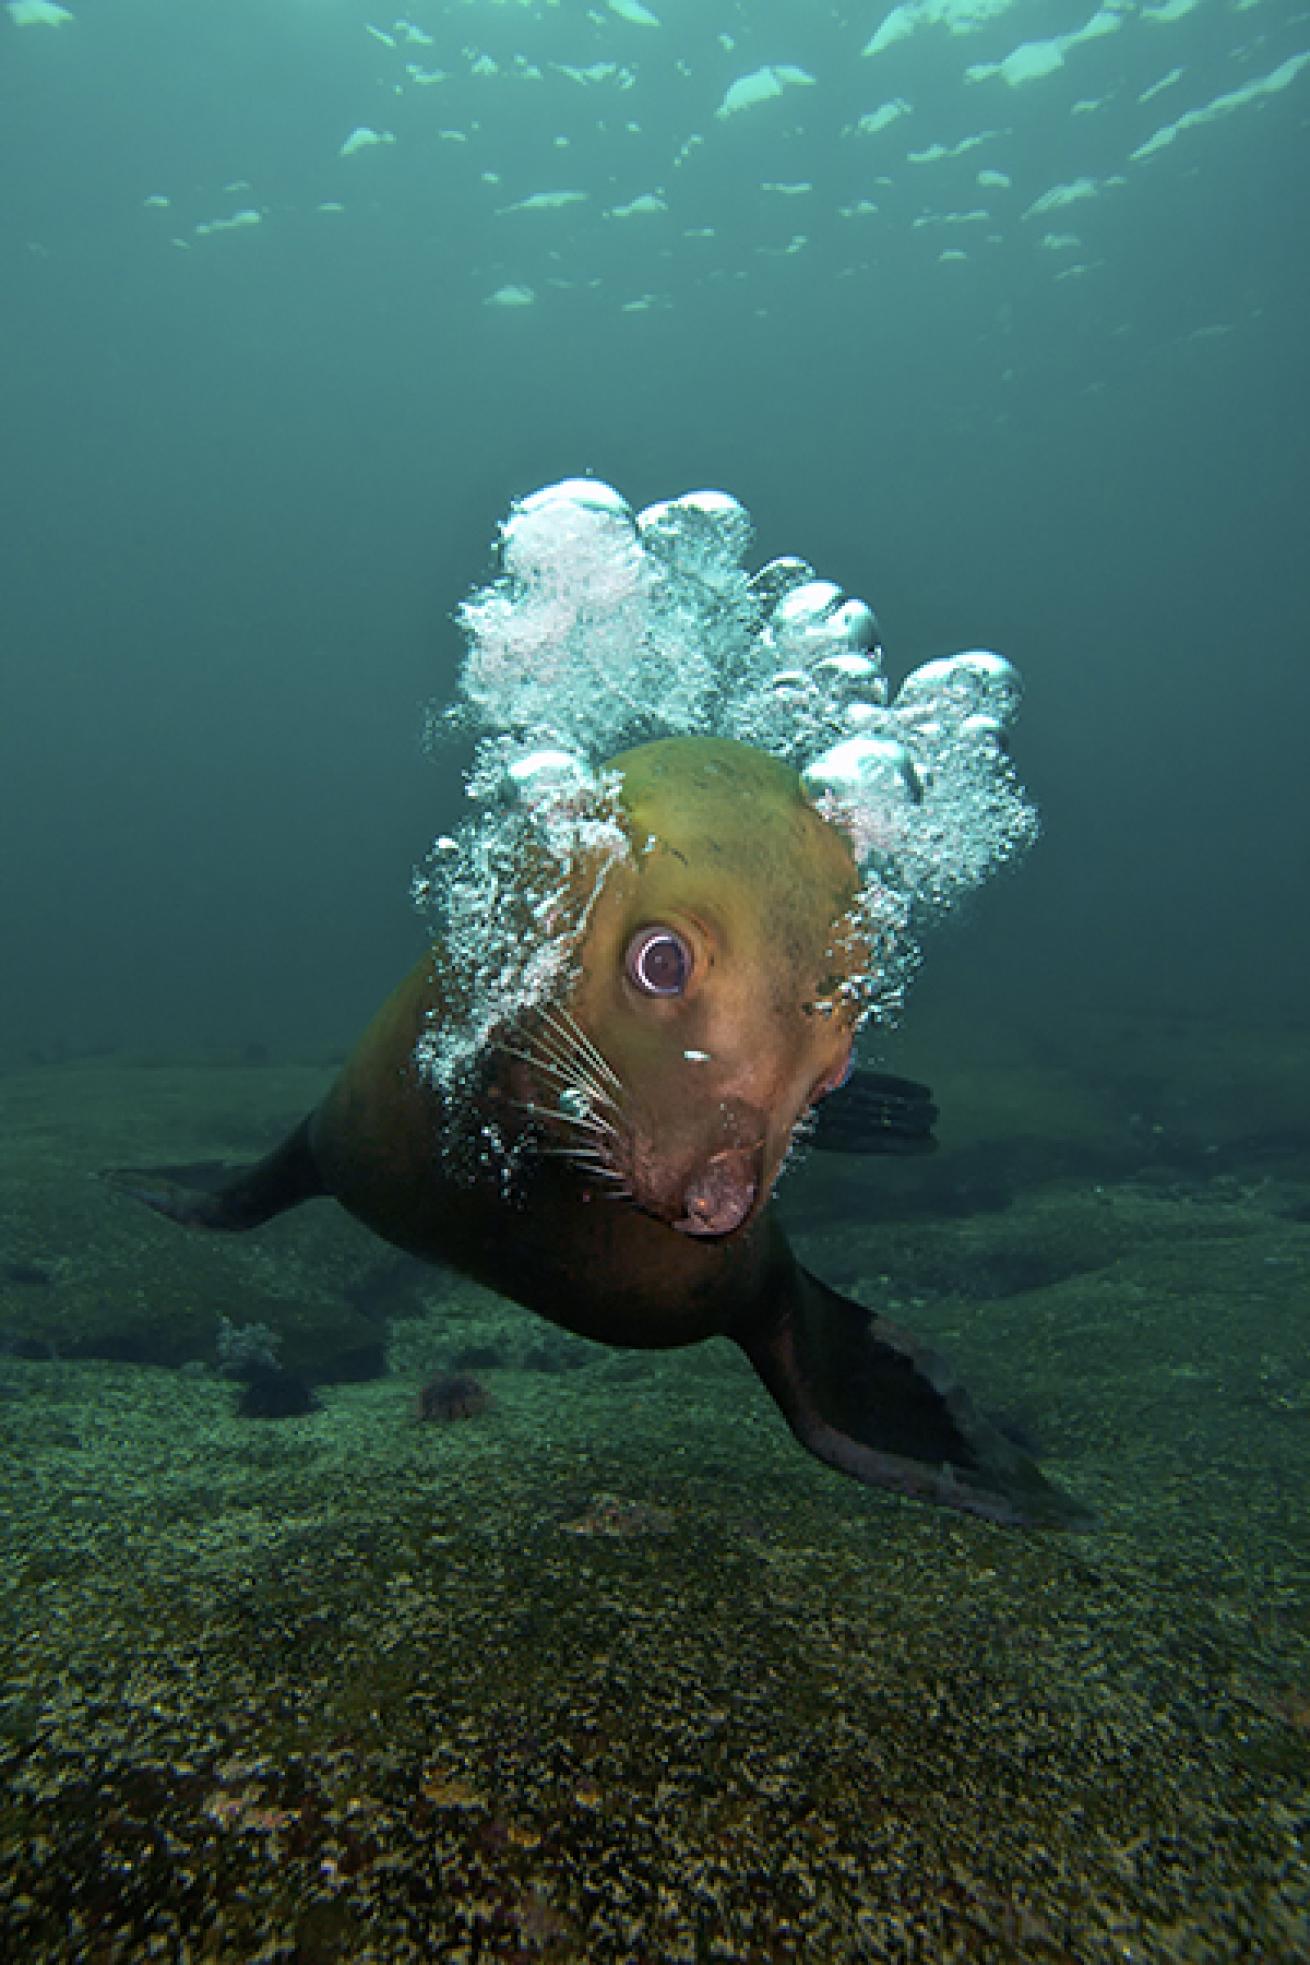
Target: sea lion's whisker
(582, 1110)
(536, 1062)
(555, 1046)
(588, 1165)
(533, 1110)
(561, 1078)
(557, 1030)
(574, 1077)
(600, 1129)
(584, 1040)
(570, 1079)
(550, 1043)
(548, 1066)
(570, 1032)
(590, 1050)
(544, 1057)
(588, 1150)
(617, 1188)
(591, 1160)
(587, 1122)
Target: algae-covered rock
(86, 1274)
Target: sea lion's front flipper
(212, 1194)
(874, 1112)
(868, 1398)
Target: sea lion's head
(661, 961)
(717, 994)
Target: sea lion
(641, 1110)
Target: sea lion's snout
(722, 1194)
(703, 1174)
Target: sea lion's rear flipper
(212, 1194)
(876, 1113)
(868, 1398)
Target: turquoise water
(992, 317)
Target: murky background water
(995, 315)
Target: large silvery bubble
(577, 523)
(804, 609)
(865, 770)
(703, 535)
(849, 671)
(857, 625)
(974, 683)
(811, 623)
(592, 494)
(771, 585)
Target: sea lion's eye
(658, 962)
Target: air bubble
(976, 681)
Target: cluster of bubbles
(605, 627)
(511, 893)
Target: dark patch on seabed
(609, 1670)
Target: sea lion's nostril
(722, 1194)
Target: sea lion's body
(684, 1100)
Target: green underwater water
(995, 311)
(612, 1670)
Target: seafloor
(613, 1671)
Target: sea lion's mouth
(722, 1194)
